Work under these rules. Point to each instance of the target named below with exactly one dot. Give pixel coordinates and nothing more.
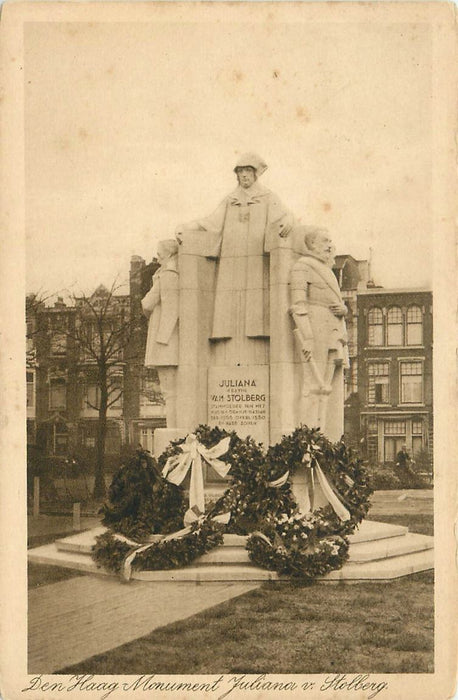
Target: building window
(60, 438)
(378, 384)
(147, 439)
(115, 389)
(92, 397)
(57, 393)
(375, 327)
(414, 326)
(395, 427)
(394, 438)
(88, 437)
(58, 344)
(30, 389)
(411, 382)
(372, 439)
(113, 440)
(150, 394)
(394, 326)
(417, 437)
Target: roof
(340, 260)
(400, 290)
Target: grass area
(284, 628)
(42, 575)
(281, 628)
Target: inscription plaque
(238, 399)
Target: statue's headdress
(251, 160)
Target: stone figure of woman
(246, 224)
(161, 307)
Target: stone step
(51, 556)
(224, 556)
(378, 550)
(380, 569)
(390, 547)
(368, 531)
(384, 569)
(82, 542)
(210, 572)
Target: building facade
(353, 278)
(63, 390)
(395, 384)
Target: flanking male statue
(262, 343)
(319, 314)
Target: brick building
(353, 278)
(395, 386)
(62, 389)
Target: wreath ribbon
(312, 468)
(126, 568)
(193, 452)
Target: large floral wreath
(259, 502)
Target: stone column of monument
(284, 359)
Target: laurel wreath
(280, 538)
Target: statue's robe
(314, 285)
(314, 289)
(247, 221)
(160, 306)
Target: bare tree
(102, 333)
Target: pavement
(75, 619)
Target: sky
(134, 128)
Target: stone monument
(243, 294)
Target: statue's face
(322, 247)
(246, 176)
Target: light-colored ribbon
(126, 569)
(178, 466)
(281, 481)
(312, 467)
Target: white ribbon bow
(178, 466)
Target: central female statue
(247, 222)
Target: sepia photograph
(228, 439)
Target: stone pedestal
(260, 396)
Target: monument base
(378, 552)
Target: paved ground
(75, 619)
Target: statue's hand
(283, 230)
(339, 310)
(306, 350)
